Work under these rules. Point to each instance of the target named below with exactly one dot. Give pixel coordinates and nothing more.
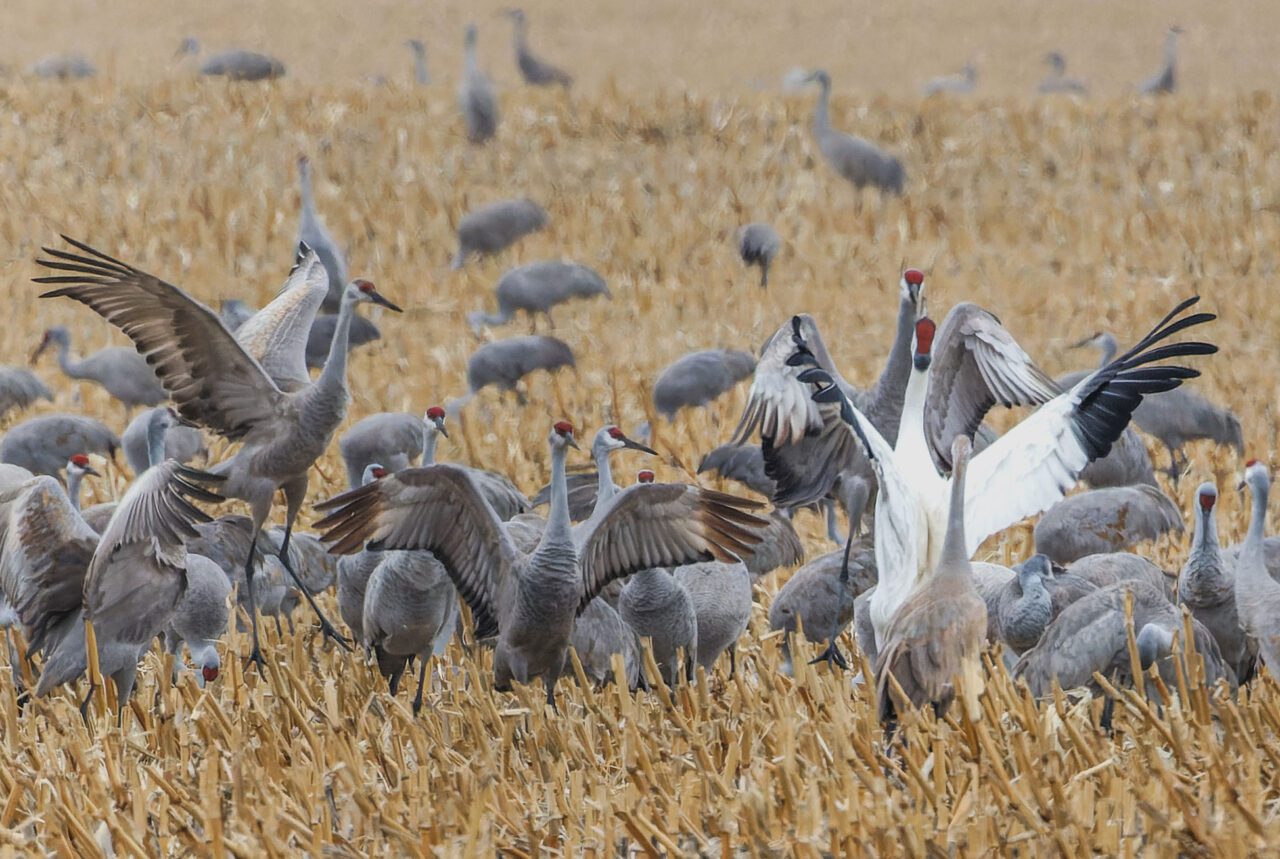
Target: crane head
(819, 76)
(79, 464)
(613, 438)
(912, 284)
(562, 435)
(58, 335)
(515, 14)
(434, 417)
(923, 352)
(1207, 496)
(362, 290)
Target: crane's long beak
(440, 427)
(44, 344)
(572, 442)
(1080, 344)
(89, 470)
(635, 445)
(376, 298)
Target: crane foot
(833, 657)
(255, 658)
(331, 633)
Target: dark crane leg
(255, 653)
(832, 655)
(295, 493)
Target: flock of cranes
(923, 481)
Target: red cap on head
(645, 476)
(380, 472)
(925, 329)
(435, 413)
(614, 432)
(913, 276)
(564, 428)
(80, 459)
(1251, 463)
(210, 673)
(364, 286)
(1207, 500)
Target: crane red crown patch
(435, 413)
(80, 459)
(614, 432)
(913, 276)
(564, 428)
(364, 286)
(1206, 500)
(1251, 463)
(925, 329)
(380, 473)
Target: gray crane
(505, 362)
(235, 64)
(476, 98)
(1030, 602)
(1128, 464)
(1057, 80)
(130, 587)
(320, 338)
(1207, 587)
(599, 633)
(933, 643)
(856, 160)
(20, 388)
(1165, 80)
(43, 444)
(151, 447)
(530, 600)
(1174, 417)
(1109, 568)
(656, 606)
(421, 75)
(535, 71)
(721, 595)
(696, 379)
(78, 468)
(120, 370)
(1257, 595)
(355, 569)
(313, 233)
(537, 287)
(962, 83)
(181, 442)
(813, 599)
(779, 547)
(1105, 520)
(494, 227)
(200, 618)
(394, 438)
(758, 244)
(64, 67)
(317, 569)
(587, 489)
(410, 610)
(217, 385)
(1091, 636)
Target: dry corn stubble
(1060, 217)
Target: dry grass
(1060, 217)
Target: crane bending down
(215, 383)
(531, 600)
(1021, 473)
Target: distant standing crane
(1165, 80)
(857, 160)
(758, 244)
(535, 72)
(122, 371)
(476, 99)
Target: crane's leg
(422, 682)
(255, 653)
(832, 655)
(833, 521)
(295, 492)
(84, 705)
(764, 275)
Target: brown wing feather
(209, 376)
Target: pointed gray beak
(376, 298)
(572, 442)
(635, 445)
(440, 427)
(1080, 344)
(88, 469)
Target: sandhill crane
(1023, 472)
(132, 584)
(120, 370)
(958, 84)
(1257, 595)
(800, 437)
(410, 609)
(932, 646)
(656, 606)
(43, 444)
(758, 244)
(20, 388)
(151, 448)
(320, 338)
(1091, 635)
(355, 569)
(1128, 464)
(217, 385)
(536, 72)
(505, 362)
(1030, 602)
(588, 490)
(1109, 568)
(64, 67)
(779, 546)
(698, 378)
(530, 600)
(857, 160)
(814, 599)
(476, 98)
(235, 64)
(1174, 417)
(1105, 520)
(200, 618)
(721, 596)
(180, 442)
(1207, 587)
(312, 233)
(741, 462)
(1165, 80)
(494, 227)
(394, 438)
(599, 632)
(537, 288)
(78, 468)
(421, 76)
(316, 568)
(1057, 81)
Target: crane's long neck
(420, 73)
(1252, 562)
(308, 196)
(155, 440)
(74, 479)
(1204, 542)
(887, 398)
(911, 439)
(470, 62)
(519, 38)
(430, 436)
(558, 524)
(821, 110)
(69, 367)
(605, 488)
(1108, 347)
(955, 554)
(326, 400)
(1170, 50)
